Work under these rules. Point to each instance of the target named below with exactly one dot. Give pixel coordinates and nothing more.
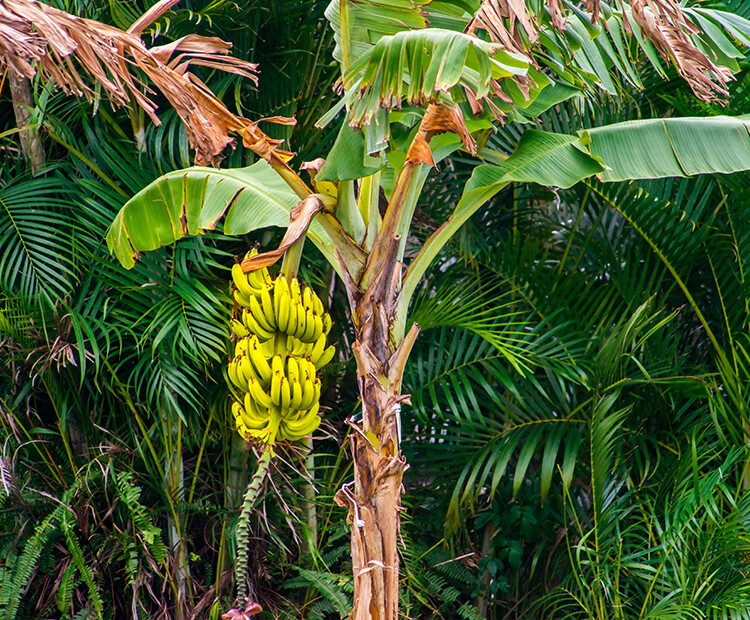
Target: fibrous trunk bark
(374, 502)
(374, 507)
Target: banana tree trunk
(374, 509)
(374, 502)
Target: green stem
(347, 212)
(292, 258)
(346, 51)
(311, 542)
(243, 540)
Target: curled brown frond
(668, 29)
(77, 53)
(510, 23)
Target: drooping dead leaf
(299, 221)
(261, 144)
(440, 119)
(419, 151)
(499, 19)
(509, 23)
(77, 53)
(668, 29)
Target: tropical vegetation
(576, 436)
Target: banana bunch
(281, 333)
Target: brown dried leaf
(299, 222)
(499, 20)
(72, 51)
(661, 21)
(668, 28)
(150, 16)
(267, 148)
(419, 151)
(440, 119)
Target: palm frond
(41, 245)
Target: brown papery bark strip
(299, 221)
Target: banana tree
(419, 82)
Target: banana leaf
(671, 147)
(191, 201)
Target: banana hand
(324, 358)
(259, 394)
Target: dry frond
(667, 27)
(74, 52)
(508, 22)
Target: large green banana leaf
(646, 149)
(672, 147)
(189, 202)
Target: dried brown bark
(375, 501)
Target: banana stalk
(248, 503)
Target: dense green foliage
(577, 435)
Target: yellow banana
(308, 394)
(301, 321)
(309, 323)
(291, 327)
(326, 323)
(241, 347)
(278, 290)
(234, 377)
(324, 358)
(257, 413)
(257, 392)
(307, 298)
(317, 328)
(258, 278)
(238, 328)
(295, 292)
(243, 301)
(249, 320)
(284, 308)
(241, 282)
(260, 316)
(292, 368)
(300, 426)
(318, 348)
(310, 370)
(268, 309)
(296, 398)
(266, 276)
(307, 426)
(255, 279)
(276, 387)
(246, 371)
(277, 364)
(242, 430)
(318, 305)
(285, 393)
(318, 387)
(249, 414)
(259, 361)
